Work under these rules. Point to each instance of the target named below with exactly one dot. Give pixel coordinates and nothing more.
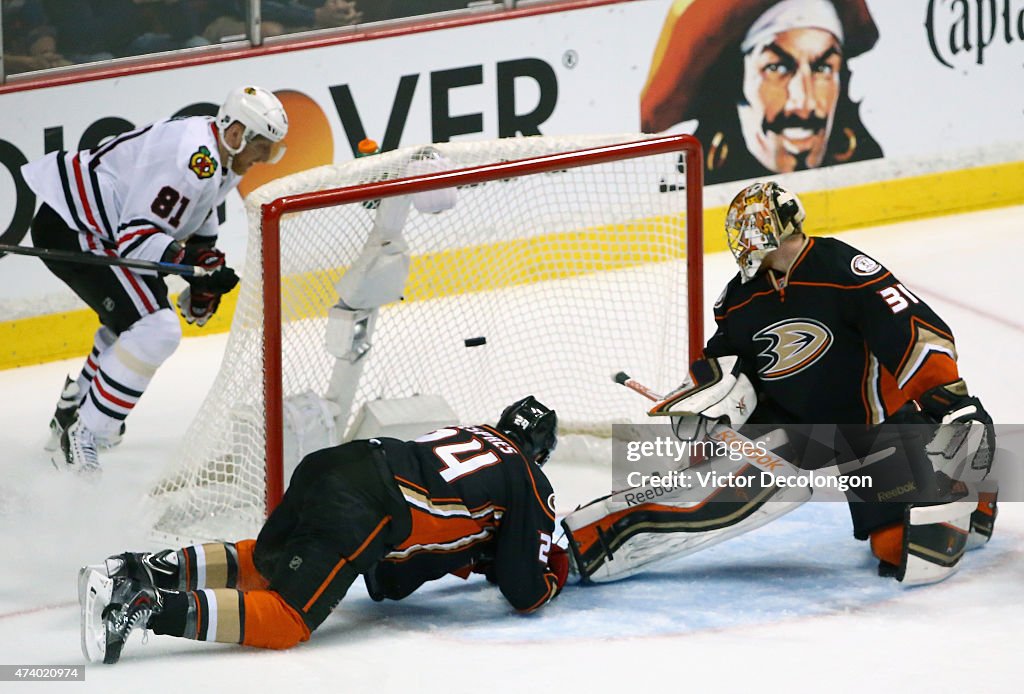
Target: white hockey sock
(101, 341)
(125, 369)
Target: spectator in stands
(94, 30)
(167, 25)
(303, 15)
(227, 19)
(379, 10)
(30, 41)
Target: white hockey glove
(716, 390)
(964, 444)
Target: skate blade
(92, 475)
(53, 443)
(94, 594)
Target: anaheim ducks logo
(793, 345)
(202, 163)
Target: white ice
(795, 606)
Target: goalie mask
(532, 426)
(261, 113)
(760, 218)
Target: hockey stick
(93, 259)
(622, 378)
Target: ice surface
(794, 606)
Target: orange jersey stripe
(344, 560)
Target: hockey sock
(210, 565)
(258, 618)
(102, 340)
(203, 615)
(125, 369)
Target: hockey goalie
(827, 361)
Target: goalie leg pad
(934, 539)
(983, 518)
(631, 530)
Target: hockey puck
(475, 341)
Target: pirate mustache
(812, 122)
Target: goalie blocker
(627, 531)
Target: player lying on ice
(399, 512)
(813, 332)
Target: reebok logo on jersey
(202, 163)
(864, 266)
(792, 346)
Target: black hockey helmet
(532, 426)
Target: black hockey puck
(475, 341)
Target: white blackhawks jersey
(134, 194)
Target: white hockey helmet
(760, 218)
(260, 112)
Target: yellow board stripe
(45, 338)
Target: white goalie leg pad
(715, 390)
(934, 541)
(348, 340)
(347, 336)
(632, 530)
(378, 275)
(310, 424)
(983, 519)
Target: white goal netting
(567, 276)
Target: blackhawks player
(814, 332)
(148, 194)
(460, 499)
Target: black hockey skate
(150, 569)
(111, 609)
(67, 412)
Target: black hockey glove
(201, 298)
(964, 443)
(220, 280)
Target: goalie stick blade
(94, 593)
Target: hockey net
(571, 257)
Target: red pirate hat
(697, 33)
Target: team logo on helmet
(864, 266)
(792, 346)
(202, 163)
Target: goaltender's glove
(964, 443)
(716, 390)
(201, 298)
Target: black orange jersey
(841, 340)
(474, 499)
